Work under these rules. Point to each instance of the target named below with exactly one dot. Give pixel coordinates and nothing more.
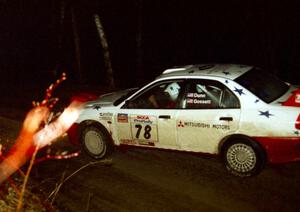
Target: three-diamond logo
(180, 124)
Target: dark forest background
(144, 37)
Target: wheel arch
(231, 138)
(235, 167)
(96, 124)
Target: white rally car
(245, 115)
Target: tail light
(297, 124)
(294, 99)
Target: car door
(149, 118)
(210, 112)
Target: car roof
(228, 71)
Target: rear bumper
(280, 150)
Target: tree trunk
(77, 45)
(139, 41)
(104, 44)
(59, 55)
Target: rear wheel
(95, 142)
(243, 157)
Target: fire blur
(33, 137)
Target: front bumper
(280, 149)
(73, 134)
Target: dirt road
(152, 180)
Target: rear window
(263, 84)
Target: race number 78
(147, 130)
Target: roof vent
(171, 70)
(203, 67)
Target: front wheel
(243, 157)
(95, 142)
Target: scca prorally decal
(142, 119)
(122, 118)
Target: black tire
(243, 157)
(95, 142)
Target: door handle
(164, 117)
(226, 119)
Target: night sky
(261, 33)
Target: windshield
(125, 96)
(264, 85)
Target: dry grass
(9, 199)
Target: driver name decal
(197, 98)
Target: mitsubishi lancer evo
(243, 114)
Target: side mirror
(128, 104)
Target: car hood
(108, 99)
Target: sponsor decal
(196, 124)
(105, 116)
(142, 119)
(127, 141)
(97, 107)
(144, 129)
(146, 143)
(221, 126)
(122, 118)
(203, 125)
(180, 124)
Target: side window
(229, 100)
(208, 94)
(164, 95)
